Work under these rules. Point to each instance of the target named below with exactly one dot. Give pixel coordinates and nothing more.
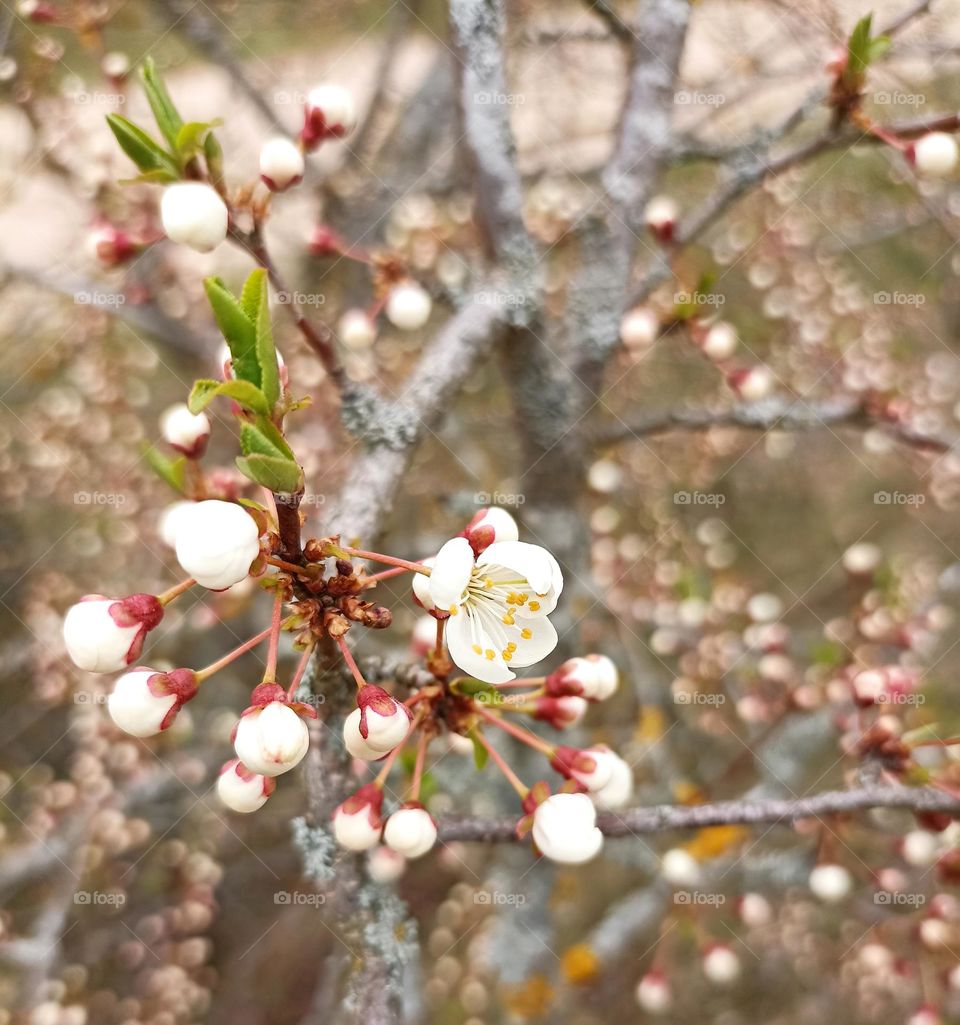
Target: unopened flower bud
(594, 678)
(330, 114)
(920, 848)
(592, 768)
(720, 341)
(721, 965)
(653, 993)
(357, 823)
(752, 385)
(103, 635)
(216, 543)
(639, 328)
(934, 155)
(281, 164)
(194, 215)
(110, 246)
(145, 702)
(830, 883)
(356, 330)
(565, 829)
(242, 790)
(324, 241)
(489, 525)
(410, 831)
(271, 736)
(385, 865)
(168, 520)
(680, 868)
(376, 726)
(561, 712)
(408, 306)
(661, 216)
(184, 431)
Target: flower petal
(532, 562)
(535, 639)
(451, 573)
(471, 649)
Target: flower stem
(525, 736)
(530, 681)
(415, 783)
(270, 673)
(351, 662)
(395, 753)
(215, 667)
(386, 574)
(301, 667)
(288, 567)
(389, 560)
(511, 776)
(175, 591)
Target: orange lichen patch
(688, 793)
(580, 965)
(530, 999)
(652, 724)
(716, 840)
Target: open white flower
(565, 830)
(194, 215)
(410, 831)
(242, 790)
(498, 604)
(216, 542)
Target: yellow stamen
(526, 634)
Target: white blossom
(564, 829)
(144, 702)
(408, 306)
(410, 831)
(830, 883)
(194, 215)
(186, 432)
(281, 163)
(242, 790)
(216, 542)
(103, 635)
(271, 739)
(935, 155)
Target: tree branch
(662, 818)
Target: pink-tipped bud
(561, 712)
(410, 831)
(376, 725)
(281, 164)
(242, 790)
(329, 114)
(144, 702)
(357, 823)
(489, 525)
(103, 635)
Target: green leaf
(255, 441)
(266, 426)
(213, 155)
(248, 395)
(159, 177)
(480, 753)
(173, 471)
(165, 113)
(486, 693)
(863, 48)
(146, 153)
(266, 350)
(279, 475)
(192, 137)
(237, 328)
(252, 293)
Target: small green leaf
(165, 113)
(278, 475)
(173, 471)
(863, 48)
(151, 178)
(480, 753)
(213, 155)
(485, 693)
(255, 441)
(252, 293)
(274, 436)
(248, 395)
(147, 154)
(266, 350)
(237, 328)
(192, 137)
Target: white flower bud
(408, 306)
(595, 678)
(186, 432)
(653, 993)
(356, 330)
(385, 865)
(490, 525)
(639, 328)
(103, 635)
(356, 823)
(168, 521)
(920, 848)
(660, 216)
(144, 702)
(565, 830)
(862, 558)
(680, 868)
(935, 155)
(272, 739)
(618, 790)
(242, 790)
(194, 215)
(830, 883)
(755, 384)
(720, 341)
(755, 910)
(384, 721)
(410, 831)
(333, 106)
(281, 164)
(216, 542)
(721, 966)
